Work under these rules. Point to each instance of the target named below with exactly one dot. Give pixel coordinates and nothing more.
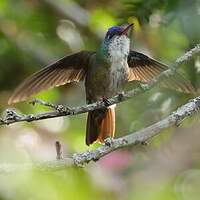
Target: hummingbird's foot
(121, 95)
(109, 141)
(106, 102)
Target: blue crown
(114, 28)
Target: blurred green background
(34, 33)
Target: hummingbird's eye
(110, 35)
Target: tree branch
(12, 117)
(110, 145)
(138, 137)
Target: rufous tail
(100, 125)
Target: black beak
(125, 31)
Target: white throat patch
(119, 48)
(118, 51)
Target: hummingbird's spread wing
(143, 68)
(71, 68)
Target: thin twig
(58, 150)
(61, 110)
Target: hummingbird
(106, 73)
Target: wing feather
(71, 68)
(143, 68)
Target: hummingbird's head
(116, 43)
(117, 31)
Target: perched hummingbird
(106, 72)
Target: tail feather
(100, 125)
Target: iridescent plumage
(106, 72)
